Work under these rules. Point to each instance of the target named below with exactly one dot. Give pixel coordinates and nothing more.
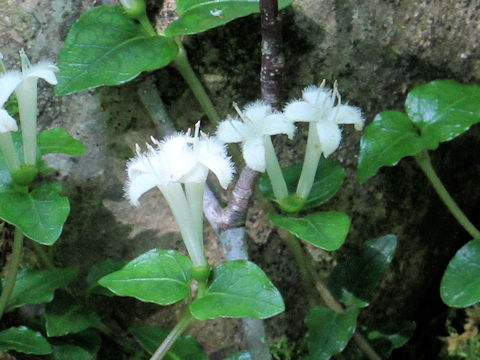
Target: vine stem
(12, 270)
(181, 326)
(182, 64)
(423, 160)
(309, 277)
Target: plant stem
(12, 270)
(42, 256)
(423, 160)
(309, 278)
(182, 64)
(147, 25)
(181, 326)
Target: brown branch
(272, 57)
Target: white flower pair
(24, 84)
(321, 107)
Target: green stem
(182, 64)
(311, 281)
(181, 326)
(43, 256)
(147, 25)
(12, 270)
(423, 160)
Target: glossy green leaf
(390, 137)
(242, 355)
(328, 180)
(329, 332)
(71, 352)
(389, 336)
(40, 214)
(159, 276)
(326, 230)
(99, 270)
(184, 348)
(443, 109)
(106, 47)
(460, 286)
(24, 340)
(64, 316)
(38, 286)
(59, 141)
(200, 15)
(89, 340)
(353, 281)
(239, 289)
(438, 111)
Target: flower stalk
(423, 160)
(12, 270)
(9, 151)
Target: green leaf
(460, 286)
(38, 286)
(59, 141)
(40, 214)
(184, 348)
(200, 15)
(328, 180)
(390, 336)
(326, 230)
(70, 352)
(353, 281)
(443, 109)
(242, 355)
(239, 289)
(390, 137)
(24, 340)
(106, 47)
(99, 270)
(159, 276)
(438, 111)
(64, 316)
(329, 332)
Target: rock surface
(377, 50)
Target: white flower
(181, 159)
(178, 159)
(25, 86)
(257, 121)
(323, 107)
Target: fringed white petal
(301, 111)
(232, 131)
(213, 155)
(330, 136)
(178, 155)
(278, 124)
(256, 112)
(254, 154)
(350, 115)
(43, 70)
(316, 95)
(8, 83)
(7, 123)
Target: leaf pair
(436, 112)
(238, 288)
(106, 47)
